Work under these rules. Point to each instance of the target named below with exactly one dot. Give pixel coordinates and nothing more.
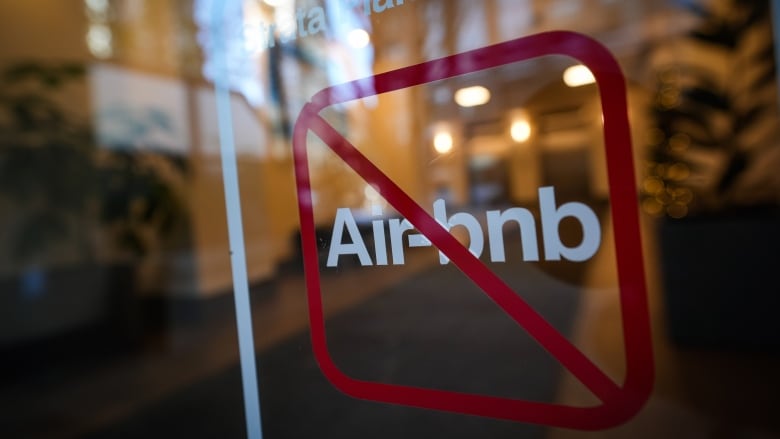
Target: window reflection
(115, 286)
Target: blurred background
(116, 295)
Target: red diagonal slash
(619, 403)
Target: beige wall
(42, 29)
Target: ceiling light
(442, 142)
(520, 130)
(358, 38)
(472, 96)
(576, 76)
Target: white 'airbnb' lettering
(551, 217)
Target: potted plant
(141, 213)
(712, 176)
(48, 195)
(65, 200)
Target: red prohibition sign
(618, 402)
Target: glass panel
(389, 218)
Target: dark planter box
(722, 280)
(63, 314)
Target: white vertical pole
(246, 345)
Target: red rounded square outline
(619, 403)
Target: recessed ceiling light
(472, 96)
(579, 75)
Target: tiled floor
(73, 402)
(697, 394)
